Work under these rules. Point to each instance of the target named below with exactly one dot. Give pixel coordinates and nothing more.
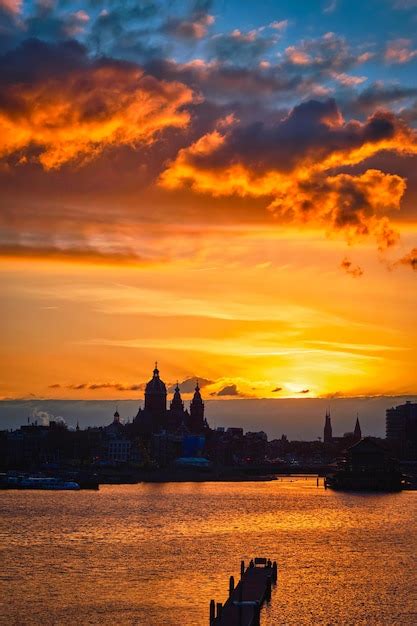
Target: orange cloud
(352, 204)
(350, 268)
(78, 113)
(409, 259)
(292, 165)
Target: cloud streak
(102, 385)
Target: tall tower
(357, 433)
(156, 399)
(328, 435)
(197, 412)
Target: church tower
(357, 433)
(177, 405)
(328, 435)
(156, 399)
(197, 412)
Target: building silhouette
(401, 429)
(366, 466)
(327, 435)
(348, 438)
(155, 417)
(357, 433)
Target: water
(154, 555)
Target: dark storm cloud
(311, 128)
(380, 95)
(36, 61)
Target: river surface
(155, 554)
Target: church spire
(197, 411)
(177, 405)
(328, 434)
(357, 432)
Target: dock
(243, 606)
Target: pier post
(241, 597)
(257, 614)
(275, 571)
(242, 568)
(268, 587)
(231, 585)
(212, 612)
(219, 610)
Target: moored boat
(34, 482)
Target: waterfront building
(118, 448)
(366, 466)
(401, 429)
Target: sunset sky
(226, 187)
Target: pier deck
(243, 606)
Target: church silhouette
(155, 417)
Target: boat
(41, 483)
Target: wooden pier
(243, 606)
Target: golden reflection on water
(154, 555)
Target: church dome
(156, 386)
